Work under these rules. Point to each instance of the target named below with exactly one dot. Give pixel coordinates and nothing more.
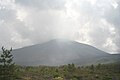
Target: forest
(70, 72)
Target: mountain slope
(59, 52)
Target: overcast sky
(28, 22)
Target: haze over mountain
(60, 51)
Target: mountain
(59, 52)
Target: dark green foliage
(71, 72)
(7, 67)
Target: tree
(98, 66)
(7, 66)
(92, 67)
(71, 68)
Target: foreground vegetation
(7, 66)
(70, 72)
(9, 71)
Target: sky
(29, 22)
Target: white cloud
(26, 22)
(21, 14)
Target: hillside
(59, 52)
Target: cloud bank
(27, 22)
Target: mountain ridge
(58, 52)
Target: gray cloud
(42, 4)
(112, 16)
(26, 22)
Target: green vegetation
(71, 72)
(7, 67)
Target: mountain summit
(60, 52)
